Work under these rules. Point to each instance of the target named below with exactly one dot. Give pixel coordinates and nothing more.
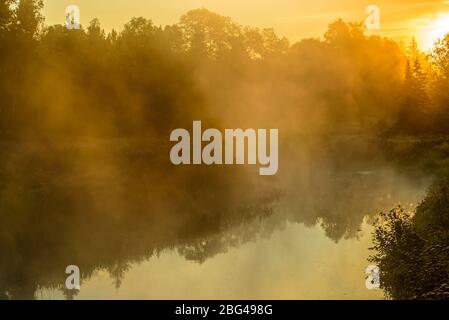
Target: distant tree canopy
(146, 78)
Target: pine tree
(413, 117)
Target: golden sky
(295, 19)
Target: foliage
(412, 249)
(147, 78)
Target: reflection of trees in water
(109, 206)
(342, 182)
(341, 204)
(100, 210)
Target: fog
(86, 117)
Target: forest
(130, 88)
(147, 79)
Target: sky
(425, 20)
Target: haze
(400, 19)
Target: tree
(414, 115)
(344, 35)
(439, 58)
(208, 34)
(94, 30)
(6, 13)
(412, 248)
(29, 17)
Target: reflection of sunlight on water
(294, 263)
(233, 221)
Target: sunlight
(437, 29)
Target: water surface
(139, 228)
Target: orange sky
(295, 19)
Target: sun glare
(436, 30)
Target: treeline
(147, 79)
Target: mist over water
(101, 209)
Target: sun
(437, 29)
